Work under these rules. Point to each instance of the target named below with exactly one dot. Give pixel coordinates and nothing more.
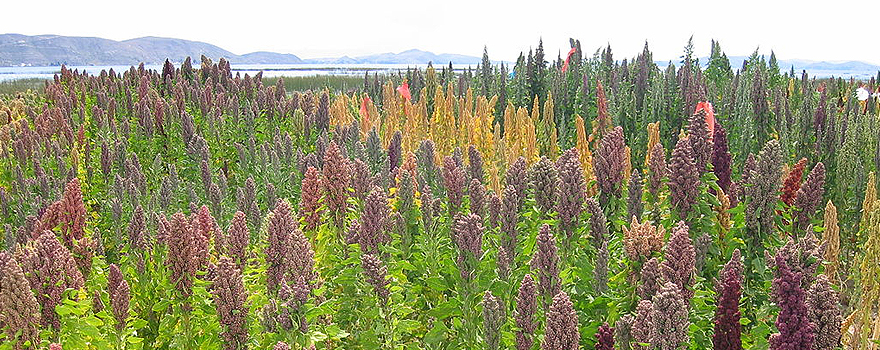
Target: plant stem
(187, 330)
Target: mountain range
(53, 50)
(856, 69)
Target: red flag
(567, 59)
(403, 89)
(710, 116)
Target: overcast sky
(834, 30)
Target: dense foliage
(587, 202)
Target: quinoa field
(584, 202)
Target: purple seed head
(310, 201)
(120, 297)
(561, 332)
(634, 205)
(21, 313)
(494, 210)
(336, 181)
(526, 307)
(453, 181)
(182, 255)
(477, 195)
(598, 223)
(796, 331)
(609, 162)
(650, 279)
(721, 158)
(698, 137)
(230, 298)
(684, 178)
(509, 217)
(544, 178)
(468, 238)
(823, 309)
(669, 318)
(279, 225)
(493, 318)
(605, 337)
(570, 191)
(51, 269)
(809, 196)
(373, 224)
(728, 329)
(762, 188)
(238, 237)
(475, 164)
(679, 264)
(517, 178)
(546, 262)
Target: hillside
(406, 57)
(53, 50)
(50, 50)
(856, 69)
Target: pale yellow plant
(722, 212)
(550, 123)
(863, 326)
(868, 205)
(530, 138)
(340, 110)
(586, 156)
(415, 124)
(442, 123)
(653, 139)
(831, 240)
(392, 112)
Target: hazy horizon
(355, 28)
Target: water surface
(269, 70)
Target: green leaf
(91, 331)
(437, 334)
(138, 323)
(317, 336)
(134, 340)
(335, 332)
(446, 309)
(437, 283)
(409, 325)
(94, 321)
(161, 306)
(405, 265)
(63, 310)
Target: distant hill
(49, 50)
(263, 57)
(736, 62)
(406, 57)
(156, 50)
(820, 69)
(53, 50)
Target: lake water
(269, 70)
(306, 70)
